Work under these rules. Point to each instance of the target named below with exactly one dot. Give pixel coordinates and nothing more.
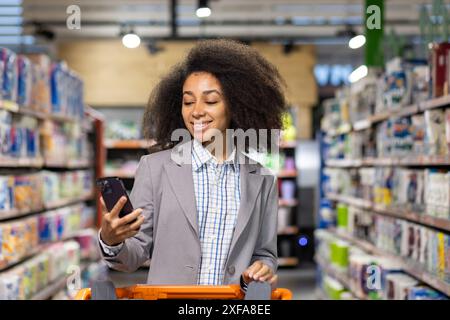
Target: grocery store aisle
(300, 281)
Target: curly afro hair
(253, 90)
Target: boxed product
(435, 138)
(6, 189)
(9, 286)
(418, 134)
(40, 92)
(398, 286)
(5, 132)
(425, 293)
(420, 85)
(438, 69)
(437, 193)
(398, 88)
(342, 216)
(10, 70)
(25, 81)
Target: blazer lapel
(180, 179)
(251, 183)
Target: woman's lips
(201, 126)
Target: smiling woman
(211, 220)
(240, 79)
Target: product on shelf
(435, 137)
(437, 193)
(26, 192)
(438, 69)
(18, 238)
(10, 83)
(40, 90)
(19, 136)
(63, 223)
(27, 279)
(25, 81)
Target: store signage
(374, 30)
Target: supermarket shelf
(344, 163)
(287, 203)
(362, 125)
(379, 117)
(407, 161)
(71, 164)
(400, 212)
(421, 218)
(41, 162)
(66, 202)
(51, 289)
(411, 268)
(332, 271)
(340, 276)
(289, 230)
(56, 286)
(435, 103)
(15, 213)
(403, 112)
(350, 200)
(17, 261)
(21, 162)
(128, 144)
(26, 111)
(287, 174)
(287, 261)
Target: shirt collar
(202, 156)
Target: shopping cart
(105, 290)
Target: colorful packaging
(435, 132)
(438, 67)
(40, 93)
(425, 293)
(9, 286)
(9, 88)
(25, 81)
(5, 132)
(418, 134)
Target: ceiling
(314, 21)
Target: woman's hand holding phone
(114, 230)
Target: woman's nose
(198, 110)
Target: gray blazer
(164, 189)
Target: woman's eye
(187, 103)
(211, 102)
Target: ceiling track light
(203, 10)
(129, 38)
(357, 42)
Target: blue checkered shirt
(217, 194)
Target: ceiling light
(357, 41)
(203, 10)
(131, 40)
(358, 74)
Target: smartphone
(112, 189)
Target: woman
(210, 220)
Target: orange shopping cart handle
(150, 292)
